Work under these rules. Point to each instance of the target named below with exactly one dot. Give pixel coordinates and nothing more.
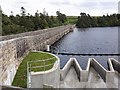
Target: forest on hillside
(24, 22)
(85, 20)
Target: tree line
(85, 20)
(26, 22)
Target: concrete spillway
(94, 80)
(73, 76)
(95, 76)
(72, 81)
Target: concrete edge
(107, 76)
(10, 87)
(115, 64)
(110, 65)
(77, 67)
(55, 66)
(65, 69)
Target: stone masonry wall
(14, 49)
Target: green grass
(20, 79)
(72, 19)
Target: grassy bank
(20, 79)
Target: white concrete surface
(72, 81)
(94, 80)
(98, 76)
(50, 77)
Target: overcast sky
(68, 7)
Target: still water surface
(90, 40)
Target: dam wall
(33, 33)
(15, 47)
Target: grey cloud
(60, 3)
(90, 5)
(21, 2)
(108, 4)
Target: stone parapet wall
(32, 33)
(7, 59)
(14, 49)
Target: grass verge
(20, 79)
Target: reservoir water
(100, 40)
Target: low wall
(116, 64)
(99, 68)
(14, 50)
(31, 33)
(77, 68)
(66, 68)
(50, 77)
(82, 74)
(107, 76)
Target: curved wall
(46, 78)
